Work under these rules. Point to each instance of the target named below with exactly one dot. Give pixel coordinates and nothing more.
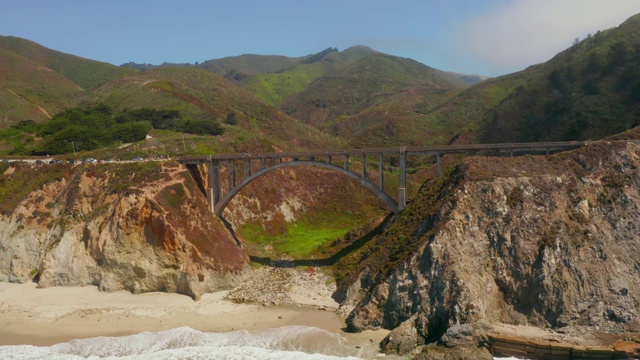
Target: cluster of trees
(79, 129)
(171, 120)
(601, 94)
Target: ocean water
(288, 342)
(284, 343)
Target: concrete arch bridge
(243, 168)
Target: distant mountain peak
(318, 56)
(358, 52)
(469, 79)
(362, 48)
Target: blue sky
(489, 37)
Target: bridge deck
(418, 150)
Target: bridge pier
(213, 183)
(381, 171)
(364, 166)
(402, 187)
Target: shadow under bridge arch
(224, 201)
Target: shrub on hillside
(79, 129)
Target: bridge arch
(226, 199)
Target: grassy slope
(84, 72)
(432, 120)
(275, 87)
(248, 64)
(202, 94)
(369, 82)
(31, 91)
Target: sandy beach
(42, 317)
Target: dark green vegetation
(84, 129)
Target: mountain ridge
(387, 106)
(85, 72)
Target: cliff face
(137, 227)
(547, 241)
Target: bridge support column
(233, 167)
(364, 166)
(213, 183)
(438, 162)
(381, 168)
(402, 191)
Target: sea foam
(289, 342)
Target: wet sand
(42, 317)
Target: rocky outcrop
(546, 241)
(136, 227)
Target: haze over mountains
(354, 97)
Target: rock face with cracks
(136, 227)
(546, 241)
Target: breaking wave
(288, 342)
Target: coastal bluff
(139, 227)
(546, 241)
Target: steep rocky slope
(546, 241)
(139, 227)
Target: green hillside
(370, 82)
(84, 72)
(200, 94)
(276, 87)
(32, 91)
(588, 91)
(356, 97)
(431, 119)
(239, 67)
